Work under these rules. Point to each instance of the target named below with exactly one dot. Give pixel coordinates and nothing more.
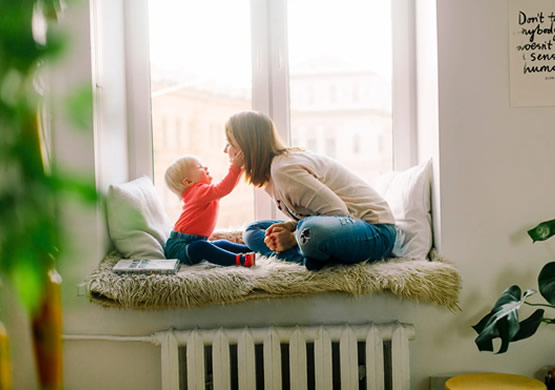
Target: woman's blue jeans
(325, 240)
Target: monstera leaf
(502, 321)
(543, 231)
(546, 282)
(529, 326)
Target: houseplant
(31, 187)
(503, 321)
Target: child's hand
(238, 159)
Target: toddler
(188, 241)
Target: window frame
(270, 88)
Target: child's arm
(212, 192)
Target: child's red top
(201, 203)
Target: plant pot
(5, 362)
(47, 335)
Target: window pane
(340, 81)
(200, 75)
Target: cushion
(408, 195)
(138, 225)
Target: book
(146, 266)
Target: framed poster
(532, 52)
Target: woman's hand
(289, 225)
(280, 236)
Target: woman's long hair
(256, 136)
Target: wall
(496, 179)
(493, 180)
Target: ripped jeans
(325, 240)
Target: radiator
(368, 356)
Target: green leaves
(529, 326)
(80, 106)
(28, 281)
(31, 232)
(502, 321)
(546, 282)
(543, 231)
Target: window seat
(139, 228)
(434, 281)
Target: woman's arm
(304, 190)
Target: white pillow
(138, 225)
(408, 195)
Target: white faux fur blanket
(435, 281)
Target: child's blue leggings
(192, 249)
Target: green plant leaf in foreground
(32, 238)
(502, 321)
(28, 282)
(81, 186)
(529, 326)
(546, 282)
(543, 231)
(79, 106)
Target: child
(188, 241)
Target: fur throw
(435, 281)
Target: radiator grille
(368, 356)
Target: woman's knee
(323, 237)
(311, 235)
(255, 231)
(252, 233)
(314, 229)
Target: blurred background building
(336, 110)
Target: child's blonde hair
(176, 172)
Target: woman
(336, 217)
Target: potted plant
(503, 321)
(31, 237)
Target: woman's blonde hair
(176, 172)
(256, 136)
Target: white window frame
(270, 92)
(404, 84)
(137, 75)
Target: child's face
(199, 173)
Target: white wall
(496, 178)
(494, 181)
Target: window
(356, 143)
(322, 70)
(348, 44)
(200, 75)
(331, 147)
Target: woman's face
(231, 148)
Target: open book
(145, 266)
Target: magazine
(145, 266)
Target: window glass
(200, 75)
(340, 65)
